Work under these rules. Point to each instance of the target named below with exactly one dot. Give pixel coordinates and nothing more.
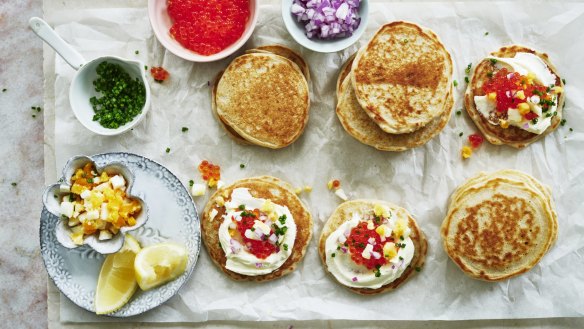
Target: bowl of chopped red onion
(325, 26)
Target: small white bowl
(82, 90)
(54, 194)
(296, 29)
(161, 24)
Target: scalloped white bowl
(54, 194)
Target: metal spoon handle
(48, 35)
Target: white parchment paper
(420, 180)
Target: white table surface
(23, 284)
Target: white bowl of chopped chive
(110, 95)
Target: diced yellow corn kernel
(504, 124)
(557, 90)
(492, 96)
(399, 229)
(212, 182)
(520, 94)
(523, 108)
(381, 230)
(298, 190)
(131, 221)
(267, 207)
(308, 188)
(220, 201)
(466, 152)
(330, 184)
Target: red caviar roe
(358, 240)
(159, 74)
(209, 171)
(475, 140)
(260, 248)
(506, 85)
(208, 26)
(336, 184)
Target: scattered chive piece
(460, 135)
(468, 67)
(136, 52)
(486, 33)
(563, 81)
(185, 129)
(418, 269)
(455, 83)
(493, 61)
(4, 90)
(466, 79)
(241, 165)
(191, 183)
(401, 258)
(534, 121)
(145, 67)
(401, 237)
(459, 112)
(168, 150)
(563, 122)
(333, 255)
(571, 129)
(14, 184)
(90, 180)
(285, 246)
(241, 207)
(252, 229)
(34, 116)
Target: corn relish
(97, 204)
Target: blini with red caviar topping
(372, 246)
(496, 127)
(256, 240)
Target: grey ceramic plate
(173, 217)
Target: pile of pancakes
(495, 134)
(262, 97)
(395, 93)
(499, 225)
(266, 187)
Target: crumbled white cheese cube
(198, 189)
(341, 194)
(104, 213)
(367, 251)
(85, 194)
(118, 182)
(67, 209)
(105, 235)
(92, 214)
(102, 186)
(212, 214)
(261, 226)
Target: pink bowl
(161, 24)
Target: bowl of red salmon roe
(203, 30)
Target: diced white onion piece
(367, 251)
(104, 212)
(341, 194)
(273, 238)
(92, 214)
(102, 186)
(375, 254)
(85, 194)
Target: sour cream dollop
(239, 259)
(351, 274)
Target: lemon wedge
(117, 283)
(159, 263)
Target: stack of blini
(395, 93)
(499, 225)
(262, 97)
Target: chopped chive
(34, 115)
(145, 67)
(191, 183)
(486, 33)
(168, 150)
(14, 184)
(455, 83)
(418, 269)
(459, 112)
(468, 67)
(241, 207)
(493, 61)
(460, 135)
(136, 52)
(563, 81)
(252, 229)
(563, 122)
(333, 255)
(466, 79)
(185, 129)
(4, 90)
(241, 165)
(90, 180)
(571, 129)
(285, 246)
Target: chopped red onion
(354, 279)
(327, 19)
(258, 265)
(273, 239)
(342, 239)
(235, 246)
(344, 250)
